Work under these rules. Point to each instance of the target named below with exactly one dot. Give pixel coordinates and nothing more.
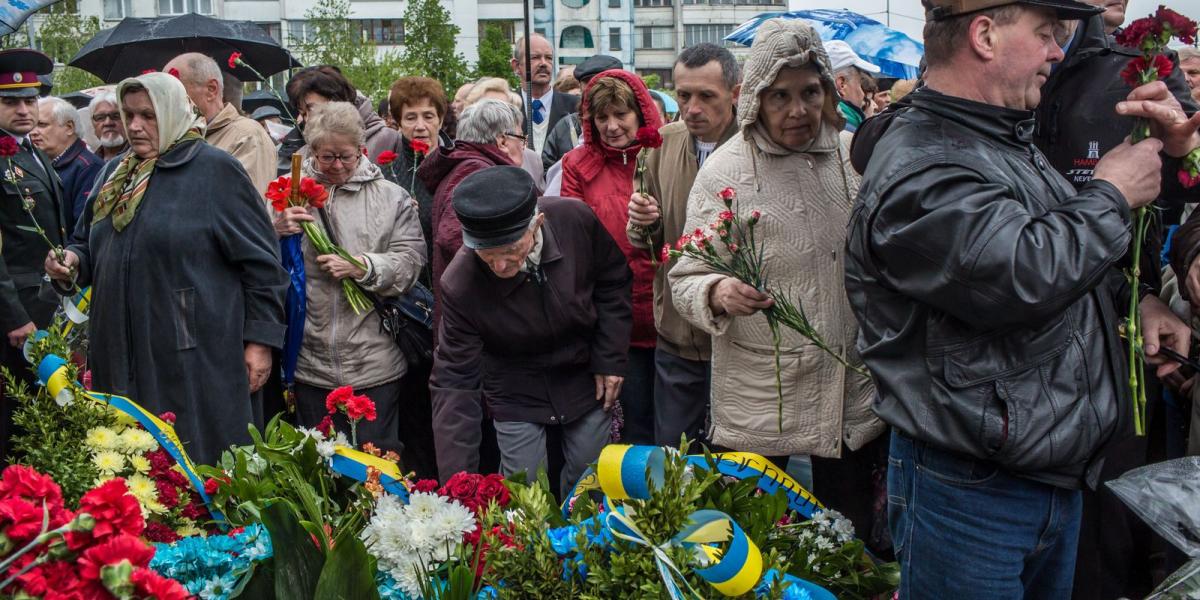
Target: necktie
(29, 148)
(537, 111)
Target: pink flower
(235, 59)
(1188, 179)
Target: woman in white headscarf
(184, 266)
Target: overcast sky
(906, 14)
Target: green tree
(652, 81)
(495, 52)
(429, 42)
(61, 34)
(334, 39)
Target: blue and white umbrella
(892, 51)
(14, 12)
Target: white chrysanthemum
(101, 438)
(424, 505)
(823, 544)
(327, 447)
(108, 461)
(452, 522)
(142, 487)
(408, 576)
(137, 441)
(139, 464)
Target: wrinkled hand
(1168, 122)
(258, 365)
(608, 389)
(1135, 170)
(1161, 327)
(288, 222)
(61, 271)
(643, 210)
(16, 337)
(736, 298)
(340, 268)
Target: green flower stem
(354, 294)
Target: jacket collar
(180, 154)
(226, 116)
(1007, 125)
(551, 253)
(72, 152)
(730, 131)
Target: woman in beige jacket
(376, 221)
(788, 164)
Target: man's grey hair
(1188, 53)
(109, 97)
(487, 120)
(519, 45)
(61, 110)
(200, 69)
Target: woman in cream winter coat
(786, 162)
(375, 221)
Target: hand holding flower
(340, 268)
(288, 222)
(1168, 121)
(643, 210)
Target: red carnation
(115, 511)
(118, 548)
(173, 72)
(278, 192)
(427, 486)
(213, 485)
(726, 215)
(159, 533)
(1159, 68)
(360, 407)
(234, 59)
(193, 511)
(20, 521)
(1179, 25)
(665, 255)
(160, 461)
(1136, 32)
(9, 146)
(338, 397)
(648, 137)
(1188, 179)
(149, 584)
(168, 494)
(168, 417)
(26, 483)
(55, 580)
(420, 147)
(727, 195)
(386, 157)
(326, 426)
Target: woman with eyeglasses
(374, 220)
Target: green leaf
(28, 228)
(258, 583)
(297, 561)
(348, 573)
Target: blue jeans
(963, 528)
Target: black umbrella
(77, 99)
(136, 45)
(260, 98)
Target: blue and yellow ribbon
(52, 374)
(76, 308)
(353, 464)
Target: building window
(115, 10)
(575, 3)
(614, 38)
(539, 3)
(712, 33)
(273, 30)
(614, 3)
(651, 3)
(576, 36)
(299, 31)
(180, 7)
(654, 38)
(386, 32)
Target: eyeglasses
(518, 136)
(101, 117)
(328, 159)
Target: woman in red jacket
(601, 172)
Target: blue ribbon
(292, 257)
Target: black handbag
(407, 318)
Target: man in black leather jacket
(984, 286)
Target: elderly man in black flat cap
(536, 315)
(28, 178)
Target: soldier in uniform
(26, 178)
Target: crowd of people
(962, 237)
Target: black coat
(532, 348)
(77, 168)
(179, 293)
(986, 294)
(23, 253)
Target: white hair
(62, 110)
(109, 97)
(487, 120)
(201, 69)
(1188, 53)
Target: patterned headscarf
(177, 120)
